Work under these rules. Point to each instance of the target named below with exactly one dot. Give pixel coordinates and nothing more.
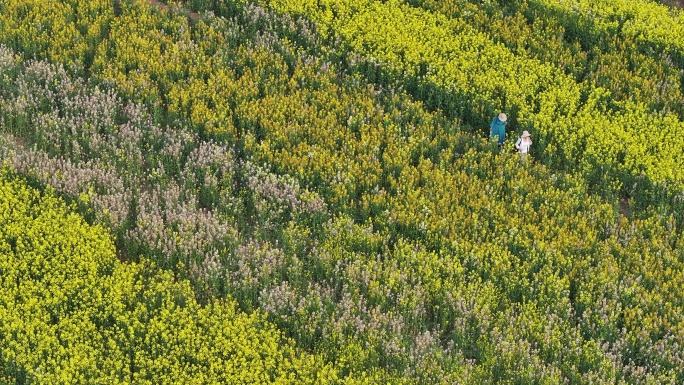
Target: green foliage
(385, 239)
(463, 71)
(56, 30)
(596, 49)
(70, 312)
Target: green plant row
(596, 58)
(70, 312)
(647, 22)
(88, 145)
(110, 136)
(464, 72)
(436, 259)
(57, 30)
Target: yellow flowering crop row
(56, 31)
(70, 312)
(162, 65)
(250, 92)
(648, 22)
(597, 57)
(483, 78)
(153, 54)
(441, 263)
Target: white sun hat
(525, 134)
(502, 117)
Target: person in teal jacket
(498, 128)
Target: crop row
(171, 196)
(370, 230)
(462, 71)
(595, 57)
(71, 313)
(648, 23)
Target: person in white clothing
(523, 144)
